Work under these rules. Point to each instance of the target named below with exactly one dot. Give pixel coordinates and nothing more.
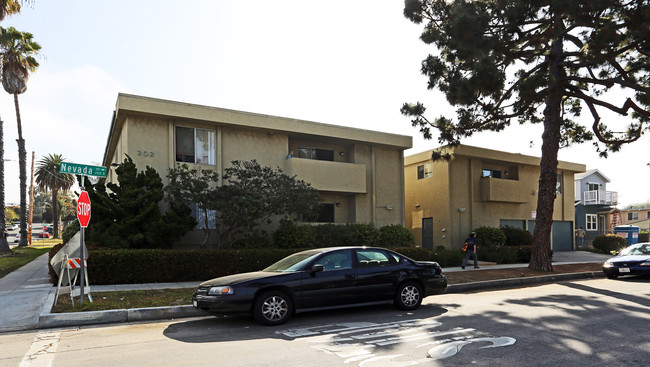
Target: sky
(349, 63)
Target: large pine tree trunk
(541, 256)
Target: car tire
(612, 276)
(272, 308)
(408, 296)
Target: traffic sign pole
(83, 215)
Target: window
(558, 184)
(316, 153)
(339, 260)
(326, 213)
(633, 216)
(199, 215)
(372, 258)
(195, 145)
(494, 173)
(592, 186)
(425, 171)
(592, 222)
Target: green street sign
(82, 169)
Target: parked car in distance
(632, 260)
(44, 235)
(17, 238)
(321, 279)
(13, 227)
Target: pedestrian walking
(580, 236)
(471, 250)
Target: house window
(326, 213)
(425, 171)
(199, 215)
(558, 184)
(195, 145)
(633, 216)
(494, 173)
(316, 153)
(592, 187)
(592, 222)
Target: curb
(516, 282)
(54, 320)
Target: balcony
(600, 197)
(328, 175)
(501, 190)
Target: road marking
(42, 351)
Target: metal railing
(600, 197)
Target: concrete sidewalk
(26, 295)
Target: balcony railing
(329, 176)
(600, 197)
(505, 191)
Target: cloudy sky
(350, 63)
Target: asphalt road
(581, 323)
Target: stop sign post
(83, 214)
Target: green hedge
(643, 236)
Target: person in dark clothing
(472, 246)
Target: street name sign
(82, 169)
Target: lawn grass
(19, 256)
(126, 300)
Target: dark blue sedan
(322, 279)
(633, 260)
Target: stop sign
(83, 209)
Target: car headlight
(221, 291)
(645, 263)
(608, 264)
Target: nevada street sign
(82, 169)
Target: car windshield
(293, 262)
(636, 250)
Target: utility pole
(31, 201)
(4, 245)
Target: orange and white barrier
(76, 263)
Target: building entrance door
(427, 233)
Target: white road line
(42, 351)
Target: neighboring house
(595, 206)
(446, 200)
(359, 173)
(634, 216)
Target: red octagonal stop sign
(83, 209)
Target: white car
(17, 238)
(13, 227)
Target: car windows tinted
(336, 261)
(372, 258)
(637, 250)
(294, 262)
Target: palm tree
(18, 52)
(49, 178)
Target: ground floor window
(199, 216)
(326, 213)
(592, 222)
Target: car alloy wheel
(409, 296)
(272, 308)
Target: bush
(606, 243)
(490, 237)
(643, 236)
(291, 235)
(517, 236)
(260, 240)
(395, 235)
(70, 231)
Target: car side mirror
(317, 268)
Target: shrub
(291, 235)
(643, 236)
(517, 236)
(70, 231)
(606, 243)
(395, 235)
(260, 240)
(490, 237)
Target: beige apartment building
(446, 200)
(359, 173)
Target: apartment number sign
(145, 153)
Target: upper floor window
(425, 171)
(592, 186)
(316, 153)
(195, 145)
(494, 173)
(633, 216)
